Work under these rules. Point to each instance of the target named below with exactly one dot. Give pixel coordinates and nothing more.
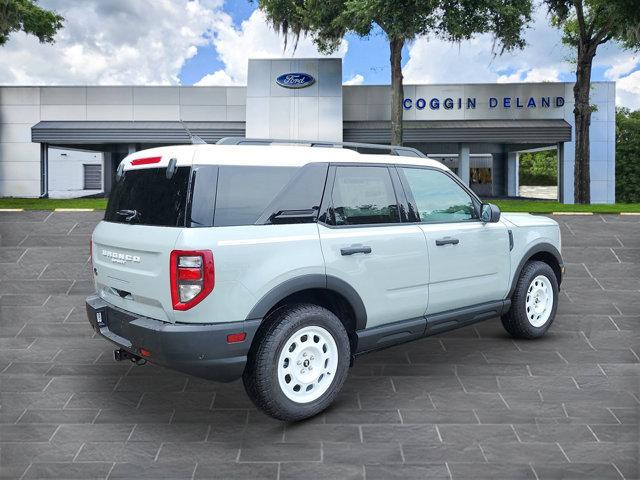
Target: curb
(11, 209)
(571, 213)
(74, 209)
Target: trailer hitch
(121, 354)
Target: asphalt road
(468, 404)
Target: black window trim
(327, 201)
(412, 201)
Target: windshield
(148, 197)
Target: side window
(363, 195)
(245, 191)
(438, 197)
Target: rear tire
(299, 363)
(534, 302)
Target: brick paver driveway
(468, 404)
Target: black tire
(516, 321)
(260, 376)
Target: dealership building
(68, 141)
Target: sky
(208, 42)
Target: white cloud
(114, 42)
(531, 75)
(219, 77)
(357, 79)
(628, 91)
(253, 39)
(622, 65)
(436, 61)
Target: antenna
(195, 139)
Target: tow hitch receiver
(121, 354)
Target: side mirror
(489, 213)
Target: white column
(463, 162)
(513, 163)
(131, 148)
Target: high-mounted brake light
(192, 277)
(145, 161)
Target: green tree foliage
(27, 16)
(327, 21)
(539, 168)
(587, 24)
(627, 156)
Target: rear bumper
(199, 350)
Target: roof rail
(358, 147)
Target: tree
(627, 156)
(28, 17)
(587, 24)
(327, 21)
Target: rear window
(148, 197)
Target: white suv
(280, 264)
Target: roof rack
(358, 147)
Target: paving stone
(238, 471)
(152, 470)
(471, 471)
(198, 452)
(406, 472)
(132, 452)
(442, 452)
(361, 453)
(472, 402)
(575, 471)
(284, 452)
(79, 470)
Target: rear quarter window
(245, 191)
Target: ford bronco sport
(281, 263)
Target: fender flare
(542, 247)
(306, 282)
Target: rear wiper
(129, 215)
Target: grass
(51, 204)
(543, 206)
(535, 206)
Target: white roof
(275, 155)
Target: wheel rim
(539, 301)
(307, 364)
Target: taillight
(192, 277)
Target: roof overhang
(453, 131)
(58, 132)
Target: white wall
(66, 171)
(310, 113)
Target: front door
(469, 260)
(364, 244)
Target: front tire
(299, 364)
(534, 302)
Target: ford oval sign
(295, 80)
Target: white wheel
(539, 301)
(307, 364)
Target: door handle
(355, 249)
(447, 241)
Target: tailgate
(132, 265)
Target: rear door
(469, 260)
(143, 220)
(365, 244)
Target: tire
(529, 318)
(304, 345)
